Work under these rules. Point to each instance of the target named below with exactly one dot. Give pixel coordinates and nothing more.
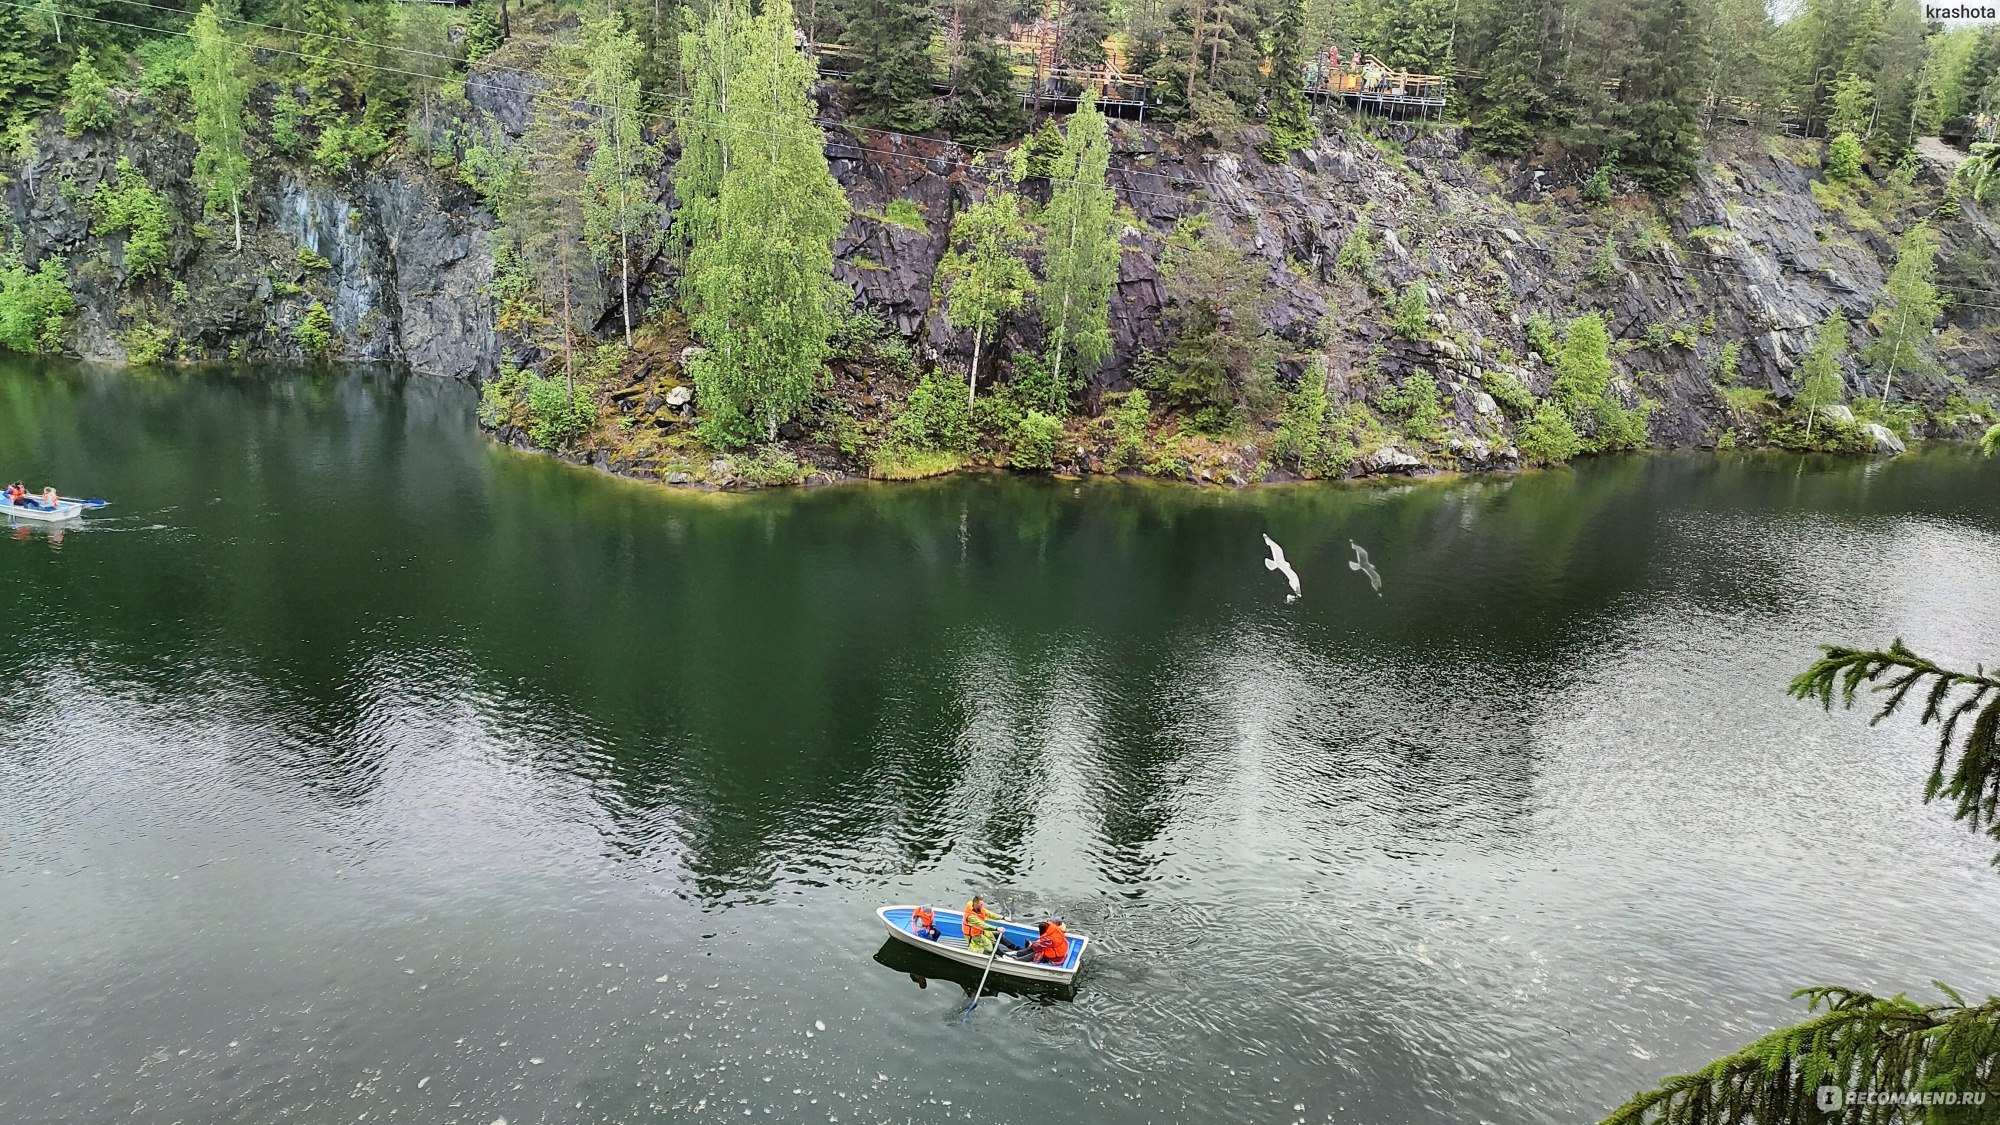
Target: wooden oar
(998, 933)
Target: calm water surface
(359, 770)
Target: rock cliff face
(1746, 262)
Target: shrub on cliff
(33, 304)
(133, 208)
(314, 332)
(935, 418)
(1549, 438)
(1036, 438)
(88, 106)
(556, 415)
(1843, 158)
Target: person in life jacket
(1051, 947)
(17, 493)
(923, 923)
(980, 930)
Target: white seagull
(1277, 562)
(1360, 562)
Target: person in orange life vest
(980, 930)
(923, 923)
(17, 493)
(1052, 947)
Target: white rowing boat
(951, 945)
(64, 510)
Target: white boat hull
(951, 945)
(67, 510)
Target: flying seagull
(1360, 562)
(1277, 562)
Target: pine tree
(986, 273)
(984, 106)
(1223, 349)
(550, 220)
(1508, 102)
(759, 288)
(1820, 381)
(619, 208)
(1290, 121)
(892, 68)
(1080, 254)
(88, 107)
(218, 86)
(1663, 96)
(1909, 307)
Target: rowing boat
(951, 944)
(64, 510)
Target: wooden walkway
(1365, 86)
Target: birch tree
(217, 86)
(1910, 306)
(759, 289)
(1079, 252)
(618, 207)
(985, 274)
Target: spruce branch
(1971, 779)
(1853, 1040)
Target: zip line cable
(1279, 203)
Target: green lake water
(358, 769)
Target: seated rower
(17, 494)
(923, 923)
(1051, 947)
(980, 930)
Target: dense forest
(723, 265)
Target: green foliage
(1036, 439)
(1597, 190)
(1357, 253)
(935, 419)
(620, 217)
(140, 213)
(160, 63)
(1746, 402)
(1223, 354)
(1909, 306)
(906, 214)
(1289, 122)
(891, 79)
(1843, 158)
(313, 261)
(1130, 420)
(1549, 438)
(985, 274)
(1819, 375)
(1621, 427)
(34, 304)
(1413, 314)
(1853, 1044)
(1541, 336)
(288, 121)
(1989, 443)
(1039, 154)
(218, 86)
(1583, 368)
(557, 415)
(1080, 253)
(87, 106)
(759, 288)
(314, 332)
(771, 465)
(1723, 369)
(1516, 399)
(1604, 263)
(1853, 105)
(1418, 403)
(1311, 433)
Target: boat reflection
(925, 969)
